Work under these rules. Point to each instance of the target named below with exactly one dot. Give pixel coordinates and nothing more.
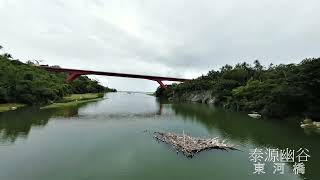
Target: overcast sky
(178, 38)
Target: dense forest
(275, 91)
(26, 83)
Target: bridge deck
(74, 73)
(87, 72)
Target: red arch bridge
(74, 73)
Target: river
(107, 140)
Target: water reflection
(122, 108)
(18, 124)
(14, 124)
(261, 132)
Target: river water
(107, 140)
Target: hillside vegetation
(28, 84)
(277, 91)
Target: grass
(75, 99)
(80, 97)
(68, 101)
(10, 106)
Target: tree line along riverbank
(275, 91)
(25, 84)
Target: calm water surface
(106, 140)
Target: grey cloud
(178, 38)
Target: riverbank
(75, 99)
(72, 100)
(10, 106)
(279, 91)
(205, 97)
(208, 97)
(68, 101)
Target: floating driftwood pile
(189, 146)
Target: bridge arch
(74, 73)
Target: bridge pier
(72, 76)
(161, 84)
